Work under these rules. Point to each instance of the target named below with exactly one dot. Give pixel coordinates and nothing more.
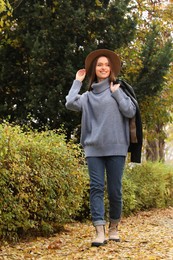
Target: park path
(144, 236)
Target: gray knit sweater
(105, 118)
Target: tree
(148, 65)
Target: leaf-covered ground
(145, 236)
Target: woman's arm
(73, 99)
(126, 105)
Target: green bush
(153, 185)
(129, 196)
(42, 181)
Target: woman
(106, 111)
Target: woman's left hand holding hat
(80, 75)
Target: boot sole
(96, 244)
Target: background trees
(148, 68)
(47, 44)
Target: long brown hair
(92, 73)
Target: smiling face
(102, 68)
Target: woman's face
(103, 68)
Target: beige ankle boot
(113, 232)
(100, 236)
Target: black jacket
(135, 147)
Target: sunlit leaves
(4, 6)
(5, 13)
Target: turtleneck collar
(100, 86)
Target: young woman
(106, 111)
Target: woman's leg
(114, 169)
(96, 167)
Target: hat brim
(112, 56)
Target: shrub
(153, 185)
(129, 196)
(42, 181)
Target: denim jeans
(114, 166)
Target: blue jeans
(114, 166)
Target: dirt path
(146, 236)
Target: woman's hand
(80, 75)
(113, 87)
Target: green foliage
(5, 12)
(149, 69)
(42, 181)
(129, 196)
(152, 186)
(84, 212)
(156, 56)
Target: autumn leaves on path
(146, 236)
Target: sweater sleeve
(126, 105)
(73, 99)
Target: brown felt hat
(112, 56)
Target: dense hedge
(148, 185)
(42, 181)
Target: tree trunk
(156, 145)
(152, 150)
